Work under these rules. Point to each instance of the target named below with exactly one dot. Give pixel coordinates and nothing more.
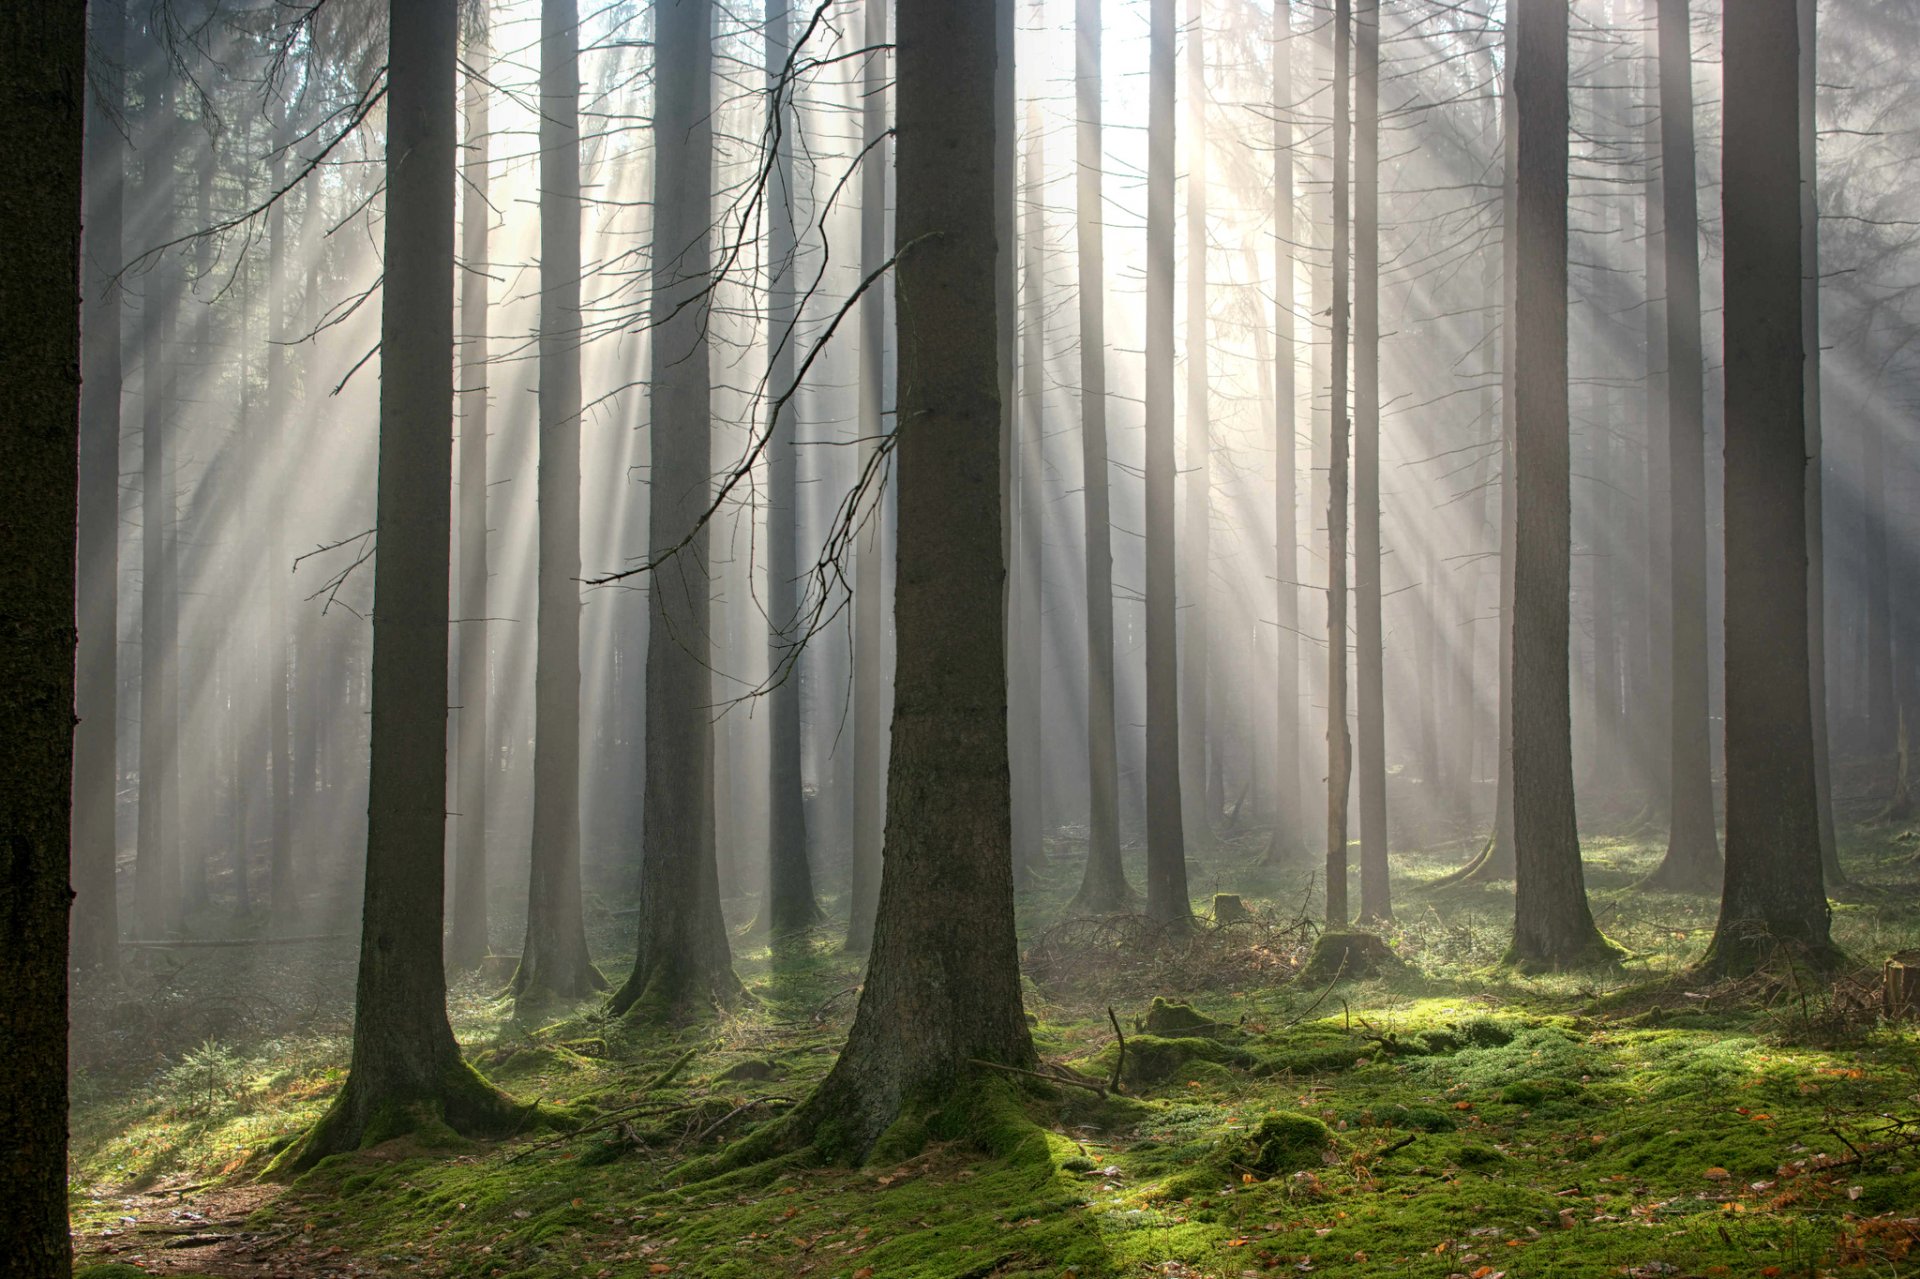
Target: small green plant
(207, 1076)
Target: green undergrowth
(1451, 1117)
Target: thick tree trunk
(943, 986)
(1339, 744)
(43, 79)
(1166, 841)
(96, 915)
(1772, 901)
(467, 943)
(790, 902)
(406, 1068)
(683, 962)
(869, 633)
(1287, 842)
(1195, 566)
(1553, 927)
(1376, 901)
(1692, 862)
(553, 960)
(1103, 885)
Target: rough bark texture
(43, 88)
(1339, 744)
(684, 963)
(790, 902)
(1553, 927)
(1166, 841)
(467, 941)
(1103, 884)
(96, 916)
(869, 635)
(1195, 563)
(1772, 899)
(1376, 900)
(1287, 793)
(1692, 863)
(553, 959)
(943, 985)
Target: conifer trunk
(1376, 900)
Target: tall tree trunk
(1287, 793)
(1027, 760)
(282, 893)
(1339, 744)
(943, 987)
(467, 943)
(1692, 862)
(1376, 901)
(1772, 901)
(96, 915)
(43, 78)
(1195, 565)
(790, 902)
(683, 960)
(869, 633)
(553, 960)
(406, 1066)
(1166, 842)
(1553, 927)
(1103, 885)
(1654, 709)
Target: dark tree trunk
(683, 962)
(1166, 842)
(1103, 885)
(43, 79)
(96, 916)
(1195, 566)
(943, 986)
(406, 1068)
(790, 902)
(1287, 793)
(467, 942)
(1654, 708)
(1772, 901)
(1339, 744)
(869, 633)
(1376, 900)
(1553, 927)
(1692, 862)
(553, 960)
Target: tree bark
(1339, 744)
(1772, 900)
(1376, 900)
(1195, 569)
(1287, 793)
(1655, 707)
(1027, 758)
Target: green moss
(1170, 1019)
(1152, 1060)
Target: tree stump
(1229, 909)
(1900, 985)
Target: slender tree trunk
(554, 960)
(405, 1061)
(96, 915)
(1553, 927)
(683, 961)
(282, 892)
(1376, 902)
(43, 78)
(1692, 862)
(943, 987)
(1166, 842)
(1103, 885)
(1287, 793)
(467, 944)
(790, 902)
(869, 634)
(1772, 900)
(1339, 744)
(1654, 709)
(1195, 567)
(1026, 755)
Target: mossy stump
(1341, 956)
(1228, 908)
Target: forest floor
(1445, 1117)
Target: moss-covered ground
(1450, 1118)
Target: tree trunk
(1287, 794)
(1553, 928)
(1195, 566)
(467, 944)
(553, 959)
(1166, 842)
(1027, 759)
(683, 962)
(1772, 901)
(1376, 901)
(282, 893)
(96, 915)
(1339, 745)
(43, 77)
(943, 987)
(1103, 884)
(406, 1068)
(1654, 708)
(1692, 862)
(869, 633)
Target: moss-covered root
(1282, 1142)
(462, 1105)
(1599, 952)
(1349, 956)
